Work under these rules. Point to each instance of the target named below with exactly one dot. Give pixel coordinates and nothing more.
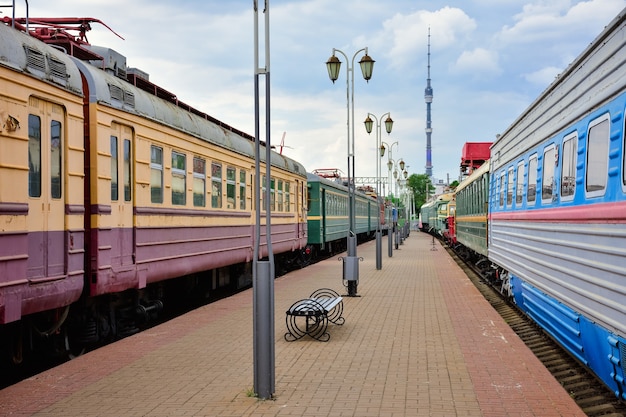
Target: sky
(490, 59)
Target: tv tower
(428, 96)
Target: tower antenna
(428, 96)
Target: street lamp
(390, 164)
(369, 123)
(351, 261)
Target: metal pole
(263, 271)
(351, 261)
(379, 244)
(379, 259)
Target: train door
(322, 215)
(46, 208)
(122, 227)
(298, 214)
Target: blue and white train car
(558, 207)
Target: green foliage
(422, 188)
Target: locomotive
(112, 189)
(546, 214)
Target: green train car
(472, 199)
(327, 215)
(434, 214)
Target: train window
(114, 171)
(242, 189)
(597, 156)
(502, 189)
(179, 178)
(199, 182)
(519, 189)
(127, 166)
(547, 179)
(230, 187)
(532, 179)
(568, 167)
(34, 156)
(55, 159)
(287, 197)
(280, 195)
(510, 185)
(216, 185)
(156, 174)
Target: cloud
(479, 62)
(542, 77)
(546, 21)
(404, 36)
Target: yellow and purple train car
(111, 188)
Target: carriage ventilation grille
(622, 349)
(35, 59)
(121, 95)
(116, 93)
(129, 99)
(57, 69)
(54, 69)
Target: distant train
(327, 217)
(434, 214)
(547, 213)
(111, 188)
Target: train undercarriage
(60, 334)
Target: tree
(422, 188)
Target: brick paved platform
(419, 341)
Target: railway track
(589, 393)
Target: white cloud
(544, 76)
(404, 36)
(479, 62)
(545, 21)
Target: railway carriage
(435, 214)
(425, 215)
(173, 192)
(112, 189)
(328, 211)
(558, 208)
(472, 203)
(41, 168)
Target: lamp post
(379, 154)
(390, 164)
(395, 173)
(263, 271)
(351, 261)
(402, 183)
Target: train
(434, 214)
(327, 216)
(118, 200)
(545, 215)
(116, 197)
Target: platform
(419, 341)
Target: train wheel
(73, 348)
(16, 345)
